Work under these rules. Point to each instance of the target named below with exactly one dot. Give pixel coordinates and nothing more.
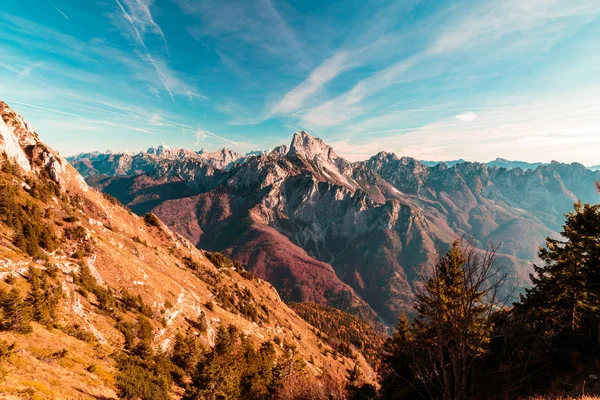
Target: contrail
(59, 10)
(128, 17)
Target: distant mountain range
(353, 235)
(132, 163)
(499, 162)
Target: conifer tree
(218, 374)
(566, 289)
(437, 354)
(15, 313)
(257, 380)
(399, 363)
(187, 351)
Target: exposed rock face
(221, 159)
(21, 143)
(354, 235)
(9, 141)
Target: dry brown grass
(39, 370)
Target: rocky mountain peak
(158, 150)
(311, 148)
(222, 158)
(21, 143)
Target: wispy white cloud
(89, 121)
(29, 68)
(344, 107)
(202, 135)
(492, 21)
(139, 23)
(140, 19)
(319, 77)
(258, 24)
(507, 24)
(562, 127)
(466, 116)
(139, 64)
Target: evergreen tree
(257, 380)
(15, 313)
(565, 296)
(437, 355)
(398, 380)
(143, 378)
(187, 351)
(218, 374)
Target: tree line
(465, 342)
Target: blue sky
(429, 79)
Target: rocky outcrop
(21, 143)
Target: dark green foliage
(137, 239)
(10, 166)
(398, 377)
(219, 260)
(145, 378)
(191, 264)
(43, 297)
(6, 350)
(113, 200)
(138, 336)
(259, 379)
(31, 232)
(240, 301)
(51, 270)
(152, 220)
(77, 233)
(136, 304)
(548, 343)
(205, 274)
(106, 299)
(142, 373)
(85, 279)
(564, 296)
(129, 331)
(79, 333)
(15, 314)
(42, 189)
(356, 389)
(187, 351)
(233, 369)
(554, 329)
(202, 324)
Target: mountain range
(353, 235)
(95, 278)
